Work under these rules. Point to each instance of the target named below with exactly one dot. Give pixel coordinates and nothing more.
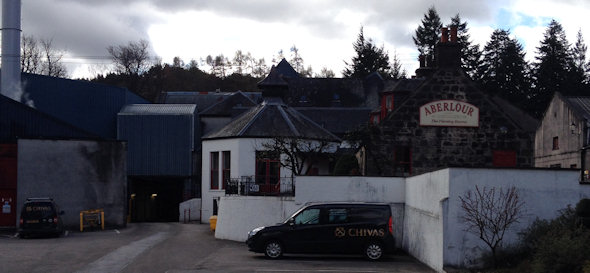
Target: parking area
(171, 247)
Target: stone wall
(432, 147)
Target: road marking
(319, 270)
(118, 259)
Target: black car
(329, 228)
(40, 216)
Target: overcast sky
(323, 30)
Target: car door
(303, 234)
(333, 230)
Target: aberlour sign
(449, 113)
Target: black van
(329, 228)
(40, 216)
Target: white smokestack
(11, 83)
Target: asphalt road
(170, 247)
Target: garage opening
(154, 199)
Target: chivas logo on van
(340, 232)
(359, 232)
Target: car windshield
(38, 210)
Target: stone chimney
(447, 54)
(448, 50)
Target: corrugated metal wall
(158, 145)
(89, 106)
(21, 121)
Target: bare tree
(52, 65)
(259, 68)
(296, 59)
(240, 62)
(41, 57)
(131, 59)
(326, 73)
(296, 153)
(30, 61)
(490, 212)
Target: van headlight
(254, 231)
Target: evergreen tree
(504, 70)
(552, 67)
(470, 54)
(580, 67)
(397, 72)
(428, 33)
(369, 58)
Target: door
(303, 234)
(268, 175)
(336, 237)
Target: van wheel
(273, 250)
(374, 251)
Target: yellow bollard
(213, 222)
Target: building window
(389, 103)
(386, 105)
(226, 168)
(375, 118)
(214, 170)
(556, 143)
(402, 161)
(504, 158)
(268, 168)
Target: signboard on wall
(449, 113)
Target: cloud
(323, 30)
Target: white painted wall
(436, 235)
(544, 193)
(349, 188)
(243, 163)
(423, 220)
(190, 210)
(240, 214)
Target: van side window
(308, 217)
(366, 214)
(336, 216)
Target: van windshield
(38, 210)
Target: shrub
(346, 165)
(558, 245)
(564, 251)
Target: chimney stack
(10, 76)
(444, 37)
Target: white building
(239, 158)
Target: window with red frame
(214, 168)
(386, 105)
(226, 168)
(375, 118)
(402, 161)
(389, 103)
(267, 168)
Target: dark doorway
(154, 200)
